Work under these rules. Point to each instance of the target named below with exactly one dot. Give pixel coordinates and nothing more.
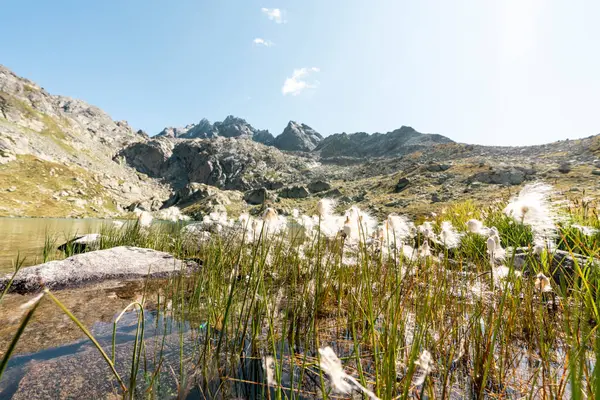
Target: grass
(285, 297)
(36, 181)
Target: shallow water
(49, 357)
(25, 236)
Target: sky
(507, 72)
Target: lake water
(26, 236)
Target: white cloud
(263, 42)
(274, 14)
(298, 83)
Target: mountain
(298, 137)
(392, 144)
(63, 157)
(231, 127)
(58, 152)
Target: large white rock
(96, 266)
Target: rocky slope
(227, 163)
(57, 151)
(392, 144)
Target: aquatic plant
(412, 311)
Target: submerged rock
(81, 244)
(85, 375)
(95, 266)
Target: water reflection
(26, 236)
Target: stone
(561, 262)
(11, 189)
(433, 167)
(274, 185)
(360, 197)
(95, 266)
(256, 196)
(83, 374)
(319, 186)
(333, 193)
(294, 192)
(264, 137)
(81, 244)
(190, 194)
(564, 168)
(436, 198)
(596, 172)
(502, 176)
(398, 203)
(77, 202)
(402, 184)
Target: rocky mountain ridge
(299, 137)
(64, 157)
(230, 127)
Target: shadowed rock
(256, 196)
(81, 244)
(560, 262)
(95, 266)
(402, 184)
(294, 192)
(319, 186)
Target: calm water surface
(26, 236)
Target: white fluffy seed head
(491, 245)
(474, 225)
(331, 364)
(269, 367)
(449, 236)
(269, 215)
(325, 207)
(425, 364)
(533, 208)
(145, 219)
(542, 283)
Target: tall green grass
(285, 298)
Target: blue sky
(490, 72)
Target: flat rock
(117, 263)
